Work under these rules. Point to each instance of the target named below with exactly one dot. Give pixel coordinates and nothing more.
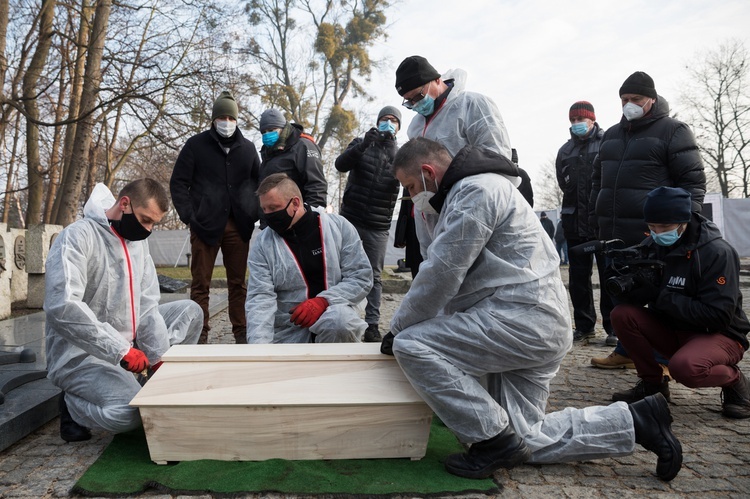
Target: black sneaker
(735, 399)
(581, 337)
(372, 334)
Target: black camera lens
(618, 285)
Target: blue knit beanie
(667, 205)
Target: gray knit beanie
(271, 118)
(225, 105)
(393, 111)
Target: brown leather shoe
(613, 361)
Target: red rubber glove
(134, 361)
(309, 311)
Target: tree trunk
(78, 169)
(75, 98)
(11, 171)
(30, 80)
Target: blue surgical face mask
(387, 126)
(666, 238)
(580, 129)
(425, 106)
(270, 138)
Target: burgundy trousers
(234, 251)
(696, 360)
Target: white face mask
(422, 200)
(632, 111)
(225, 128)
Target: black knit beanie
(413, 72)
(582, 109)
(393, 111)
(639, 83)
(667, 205)
(225, 105)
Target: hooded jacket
(636, 157)
(464, 118)
(101, 294)
(208, 183)
(299, 158)
(371, 189)
(700, 288)
(277, 283)
(574, 166)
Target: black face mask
(280, 220)
(130, 228)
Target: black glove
(644, 291)
(371, 136)
(386, 346)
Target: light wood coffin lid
(337, 374)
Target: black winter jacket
(299, 158)
(208, 184)
(371, 189)
(574, 165)
(636, 157)
(700, 289)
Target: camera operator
(694, 313)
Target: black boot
(641, 390)
(372, 334)
(735, 399)
(70, 431)
(504, 450)
(652, 424)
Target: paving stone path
(716, 449)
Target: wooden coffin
(290, 401)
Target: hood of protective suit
(99, 202)
(459, 77)
(472, 160)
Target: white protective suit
(93, 317)
(466, 118)
(276, 285)
(489, 300)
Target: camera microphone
(593, 247)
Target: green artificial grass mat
(125, 468)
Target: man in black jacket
(213, 189)
(647, 149)
(369, 199)
(286, 149)
(574, 165)
(694, 313)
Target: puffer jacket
(636, 157)
(573, 166)
(371, 189)
(298, 157)
(700, 284)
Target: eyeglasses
(409, 103)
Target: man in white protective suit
(308, 272)
(488, 299)
(104, 321)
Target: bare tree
(718, 101)
(547, 194)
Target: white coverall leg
(97, 393)
(444, 357)
(339, 324)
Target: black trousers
(582, 291)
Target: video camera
(628, 267)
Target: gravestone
(19, 279)
(6, 257)
(39, 239)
